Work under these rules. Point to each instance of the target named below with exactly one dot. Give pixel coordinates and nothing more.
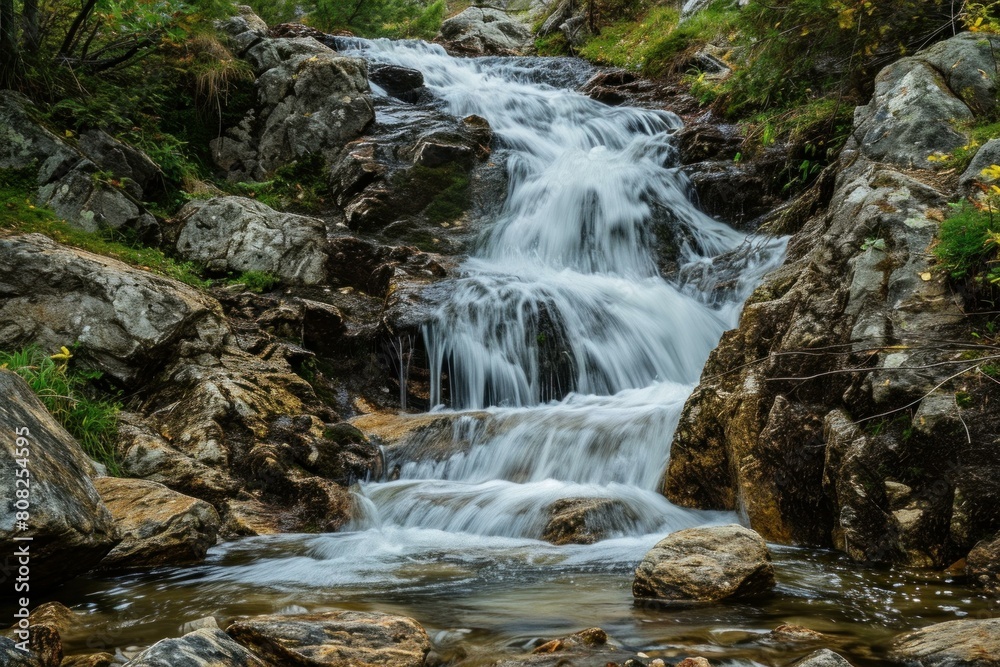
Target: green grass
(19, 214)
(255, 281)
(628, 43)
(69, 395)
(965, 248)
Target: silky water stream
(569, 263)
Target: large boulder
(125, 322)
(920, 101)
(158, 526)
(240, 234)
(706, 565)
(360, 639)
(96, 186)
(964, 643)
(484, 31)
(69, 526)
(310, 100)
(201, 648)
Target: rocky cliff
(847, 409)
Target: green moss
(445, 189)
(553, 45)
(18, 214)
(71, 397)
(299, 186)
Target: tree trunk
(9, 54)
(29, 26)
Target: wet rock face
(586, 520)
(158, 526)
(240, 234)
(705, 565)
(414, 177)
(779, 425)
(99, 185)
(483, 31)
(311, 100)
(201, 648)
(401, 82)
(127, 322)
(965, 643)
(70, 525)
(336, 638)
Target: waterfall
(562, 299)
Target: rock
(70, 181)
(26, 145)
(964, 643)
(968, 65)
(987, 155)
(245, 30)
(11, 656)
(158, 526)
(47, 623)
(335, 638)
(240, 234)
(563, 12)
(139, 175)
(310, 100)
(771, 378)
(822, 658)
(983, 564)
(90, 660)
(201, 648)
(911, 116)
(707, 565)
(401, 82)
(576, 30)
(481, 31)
(794, 634)
(70, 527)
(696, 661)
(586, 520)
(125, 322)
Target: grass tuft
(69, 395)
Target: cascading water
(563, 297)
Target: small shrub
(71, 398)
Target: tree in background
(90, 37)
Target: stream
(560, 361)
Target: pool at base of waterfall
(480, 598)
